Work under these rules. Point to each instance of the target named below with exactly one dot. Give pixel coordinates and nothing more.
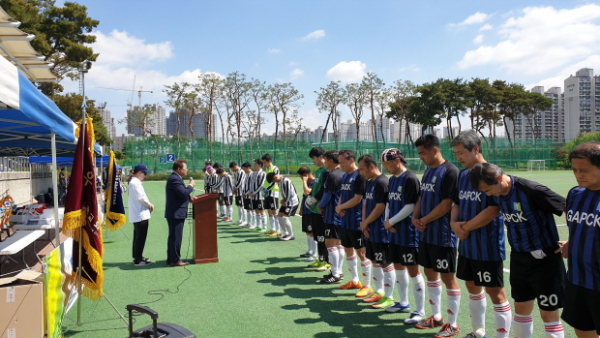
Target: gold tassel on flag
(115, 217)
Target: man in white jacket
(139, 213)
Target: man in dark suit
(178, 197)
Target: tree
(70, 104)
(284, 100)
(143, 118)
(426, 107)
(536, 104)
(260, 97)
(178, 98)
(452, 94)
(402, 94)
(209, 89)
(356, 98)
(237, 93)
(511, 100)
(383, 100)
(373, 86)
(328, 100)
(481, 101)
(61, 36)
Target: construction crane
(131, 90)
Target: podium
(205, 228)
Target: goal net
(536, 165)
(415, 165)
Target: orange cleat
(351, 285)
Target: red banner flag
(81, 215)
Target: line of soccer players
(451, 223)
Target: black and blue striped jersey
(332, 186)
(583, 219)
(488, 242)
(352, 184)
(437, 185)
(527, 213)
(403, 190)
(376, 193)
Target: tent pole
(83, 130)
(54, 190)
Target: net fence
(158, 153)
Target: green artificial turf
(259, 288)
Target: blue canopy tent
(101, 161)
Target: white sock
(502, 315)
(245, 214)
(419, 293)
(240, 214)
(402, 286)
(288, 223)
(314, 244)
(365, 267)
(229, 211)
(282, 225)
(341, 258)
(253, 219)
(221, 212)
(309, 241)
(353, 267)
(389, 279)
(554, 329)
(477, 305)
(286, 226)
(333, 259)
(453, 303)
(378, 278)
(434, 289)
(522, 326)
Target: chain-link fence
(158, 152)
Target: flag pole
(82, 72)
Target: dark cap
(392, 154)
(143, 168)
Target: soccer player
(330, 218)
(246, 198)
(537, 270)
(475, 220)
(217, 187)
(308, 180)
(404, 245)
(289, 204)
(258, 183)
(210, 178)
(316, 155)
(377, 238)
(272, 199)
(239, 178)
(437, 246)
(352, 191)
(582, 304)
(225, 185)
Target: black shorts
(288, 211)
(582, 308)
(271, 203)
(439, 258)
(318, 227)
(332, 231)
(378, 252)
(404, 255)
(225, 200)
(258, 205)
(541, 279)
(238, 201)
(352, 238)
(247, 203)
(306, 223)
(481, 273)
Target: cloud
(473, 19)
(347, 72)
(411, 68)
(314, 35)
(296, 73)
(486, 27)
(558, 80)
(292, 64)
(120, 48)
(479, 39)
(541, 39)
(274, 50)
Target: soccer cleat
(226, 219)
(315, 264)
(288, 238)
(398, 307)
(351, 285)
(323, 266)
(142, 263)
(274, 234)
(472, 335)
(429, 323)
(238, 222)
(364, 292)
(308, 254)
(414, 318)
(330, 279)
(448, 331)
(372, 298)
(252, 227)
(383, 303)
(259, 229)
(310, 259)
(243, 224)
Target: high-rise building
(199, 125)
(581, 111)
(547, 124)
(155, 124)
(107, 120)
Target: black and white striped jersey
(258, 182)
(209, 181)
(247, 187)
(288, 192)
(239, 180)
(224, 185)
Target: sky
(310, 43)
